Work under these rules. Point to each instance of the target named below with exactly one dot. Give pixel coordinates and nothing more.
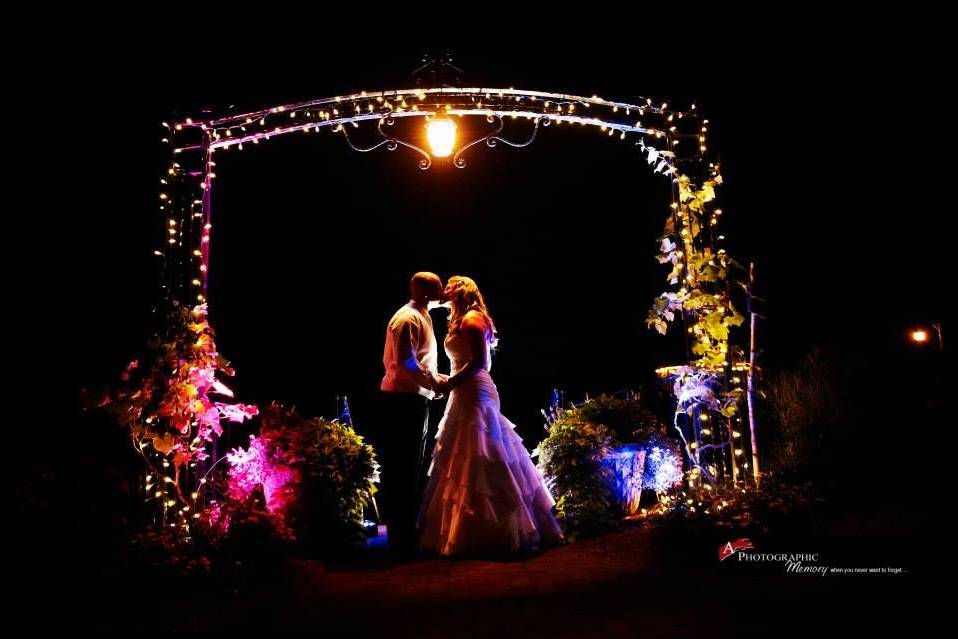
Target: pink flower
(238, 413)
(210, 420)
(203, 379)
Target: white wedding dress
(484, 494)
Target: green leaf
(713, 323)
(736, 319)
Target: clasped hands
(441, 385)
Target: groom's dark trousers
(400, 437)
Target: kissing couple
(483, 495)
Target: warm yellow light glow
(441, 132)
(919, 335)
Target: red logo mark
(728, 549)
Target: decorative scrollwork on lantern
(391, 142)
(493, 137)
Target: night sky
(313, 243)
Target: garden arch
(672, 142)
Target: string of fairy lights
(673, 142)
(671, 137)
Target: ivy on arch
(699, 289)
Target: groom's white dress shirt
(410, 356)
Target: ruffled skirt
(484, 494)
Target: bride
(484, 494)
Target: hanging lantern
(441, 133)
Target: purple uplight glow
(628, 468)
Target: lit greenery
(748, 510)
(173, 403)
(571, 458)
(628, 417)
(702, 278)
(335, 475)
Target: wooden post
(750, 383)
(729, 428)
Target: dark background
(313, 243)
(820, 122)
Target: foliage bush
(571, 458)
(311, 477)
(808, 418)
(628, 418)
(574, 459)
(774, 507)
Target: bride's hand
(442, 388)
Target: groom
(410, 382)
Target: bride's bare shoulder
(474, 320)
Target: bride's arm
(473, 330)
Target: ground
(641, 582)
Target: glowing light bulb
(441, 132)
(919, 335)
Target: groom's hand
(442, 385)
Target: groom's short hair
(423, 279)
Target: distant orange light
(920, 336)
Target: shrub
(809, 420)
(628, 418)
(571, 458)
(315, 476)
